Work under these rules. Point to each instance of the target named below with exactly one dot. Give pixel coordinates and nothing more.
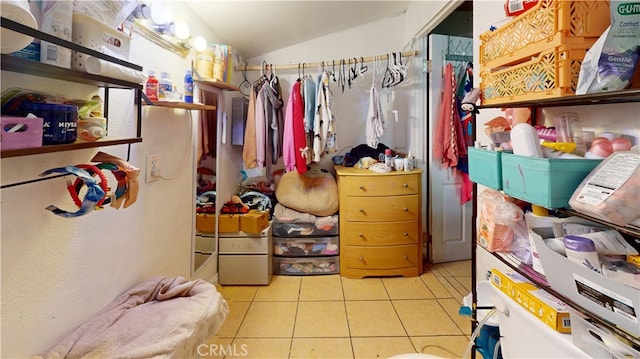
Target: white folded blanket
(160, 318)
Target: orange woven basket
(554, 73)
(551, 23)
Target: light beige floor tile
(442, 346)
(237, 312)
(446, 283)
(381, 347)
(458, 290)
(215, 347)
(237, 293)
(268, 319)
(281, 288)
(364, 289)
(434, 285)
(458, 268)
(373, 319)
(425, 317)
(406, 288)
(321, 287)
(321, 320)
(452, 307)
(465, 281)
(267, 348)
(329, 348)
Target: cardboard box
(550, 310)
(229, 223)
(602, 296)
(254, 221)
(206, 222)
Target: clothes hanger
(363, 68)
(333, 71)
(389, 74)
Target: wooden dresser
(380, 223)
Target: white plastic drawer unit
(244, 245)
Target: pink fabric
(299, 134)
(261, 130)
(288, 145)
(449, 139)
(249, 148)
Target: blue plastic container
(547, 182)
(485, 167)
(59, 121)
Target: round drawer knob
(361, 259)
(361, 235)
(405, 209)
(405, 185)
(405, 234)
(361, 187)
(405, 257)
(361, 210)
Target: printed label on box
(606, 298)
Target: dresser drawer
(380, 185)
(373, 209)
(381, 257)
(381, 233)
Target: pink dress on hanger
(299, 134)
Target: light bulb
(200, 43)
(181, 30)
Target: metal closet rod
(330, 63)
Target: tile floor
(334, 317)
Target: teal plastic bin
(485, 167)
(547, 182)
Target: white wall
(57, 272)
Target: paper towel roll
(18, 11)
(96, 66)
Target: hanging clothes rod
(330, 63)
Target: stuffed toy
(470, 100)
(314, 192)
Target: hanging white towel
(375, 119)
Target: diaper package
(610, 64)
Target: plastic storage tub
(322, 227)
(59, 122)
(550, 23)
(485, 167)
(547, 182)
(303, 247)
(306, 266)
(95, 35)
(554, 73)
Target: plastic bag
(611, 191)
(494, 236)
(512, 216)
(611, 62)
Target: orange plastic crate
(549, 24)
(554, 73)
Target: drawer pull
(405, 185)
(405, 209)
(361, 235)
(361, 210)
(361, 187)
(361, 259)
(405, 257)
(405, 234)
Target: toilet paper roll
(18, 11)
(96, 66)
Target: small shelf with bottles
(23, 66)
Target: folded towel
(162, 317)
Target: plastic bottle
(151, 87)
(582, 251)
(188, 86)
(91, 129)
(388, 160)
(164, 85)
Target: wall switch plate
(153, 168)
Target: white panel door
(449, 220)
